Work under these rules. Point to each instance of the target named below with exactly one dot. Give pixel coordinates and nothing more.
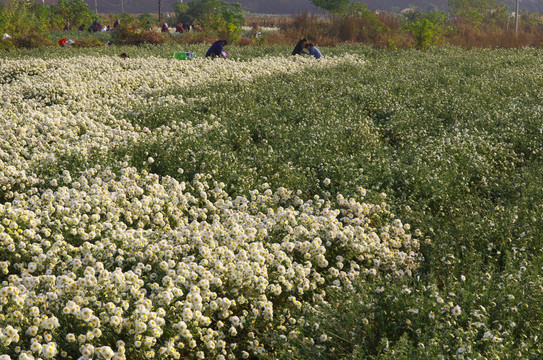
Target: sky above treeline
(284, 6)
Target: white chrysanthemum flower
(456, 310)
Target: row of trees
(427, 27)
(474, 11)
(225, 19)
(21, 16)
(352, 22)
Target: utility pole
(122, 5)
(516, 18)
(96, 6)
(159, 10)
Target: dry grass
(385, 30)
(87, 43)
(469, 37)
(192, 38)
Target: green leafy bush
(126, 36)
(334, 6)
(424, 32)
(76, 12)
(6, 45)
(217, 17)
(146, 20)
(30, 40)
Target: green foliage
(425, 27)
(392, 45)
(449, 141)
(334, 6)
(444, 133)
(76, 12)
(424, 32)
(438, 18)
(25, 18)
(126, 18)
(359, 9)
(88, 43)
(30, 40)
(530, 20)
(459, 155)
(357, 23)
(478, 12)
(3, 18)
(184, 13)
(19, 17)
(6, 45)
(163, 51)
(218, 18)
(127, 36)
(383, 320)
(146, 18)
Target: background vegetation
(484, 23)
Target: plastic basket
(183, 55)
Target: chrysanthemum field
(371, 204)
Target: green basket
(184, 55)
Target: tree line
(485, 21)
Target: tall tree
(331, 5)
(475, 11)
(218, 17)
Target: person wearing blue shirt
(313, 51)
(216, 48)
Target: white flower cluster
(77, 106)
(128, 265)
(171, 267)
(261, 28)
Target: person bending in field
(217, 49)
(299, 48)
(96, 26)
(313, 51)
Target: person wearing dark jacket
(217, 48)
(299, 49)
(96, 26)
